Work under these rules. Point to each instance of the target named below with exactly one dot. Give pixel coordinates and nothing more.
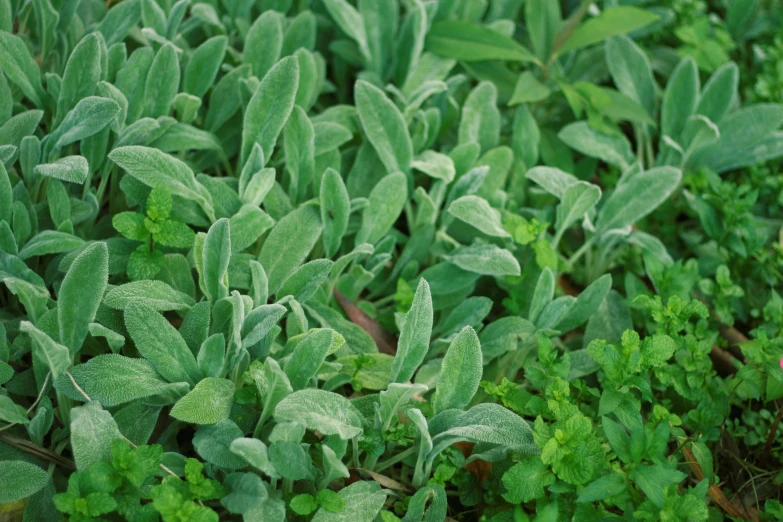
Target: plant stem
(579, 253)
(391, 461)
(355, 456)
(773, 430)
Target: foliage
(410, 261)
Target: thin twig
(37, 451)
(773, 431)
(714, 491)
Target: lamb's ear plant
(373, 260)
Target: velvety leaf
(467, 41)
(81, 293)
(270, 107)
(323, 411)
(384, 126)
(156, 294)
(460, 373)
(414, 336)
(208, 402)
(161, 344)
(280, 256)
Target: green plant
(372, 260)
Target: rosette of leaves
(155, 228)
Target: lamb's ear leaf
(480, 122)
(87, 118)
(637, 197)
(323, 411)
(256, 454)
(92, 432)
(154, 169)
(161, 344)
(308, 357)
(719, 93)
(577, 200)
(394, 397)
(264, 42)
(477, 212)
(203, 66)
(216, 256)
(212, 356)
(56, 356)
(81, 292)
(468, 41)
(486, 422)
(6, 195)
(259, 284)
(112, 380)
(335, 210)
(414, 336)
(273, 386)
(351, 23)
(586, 304)
(81, 76)
(155, 294)
(680, 98)
(21, 480)
(162, 82)
(544, 292)
(387, 201)
(20, 67)
(362, 500)
(280, 255)
(208, 403)
(461, 372)
(73, 169)
(304, 283)
(384, 126)
(270, 107)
